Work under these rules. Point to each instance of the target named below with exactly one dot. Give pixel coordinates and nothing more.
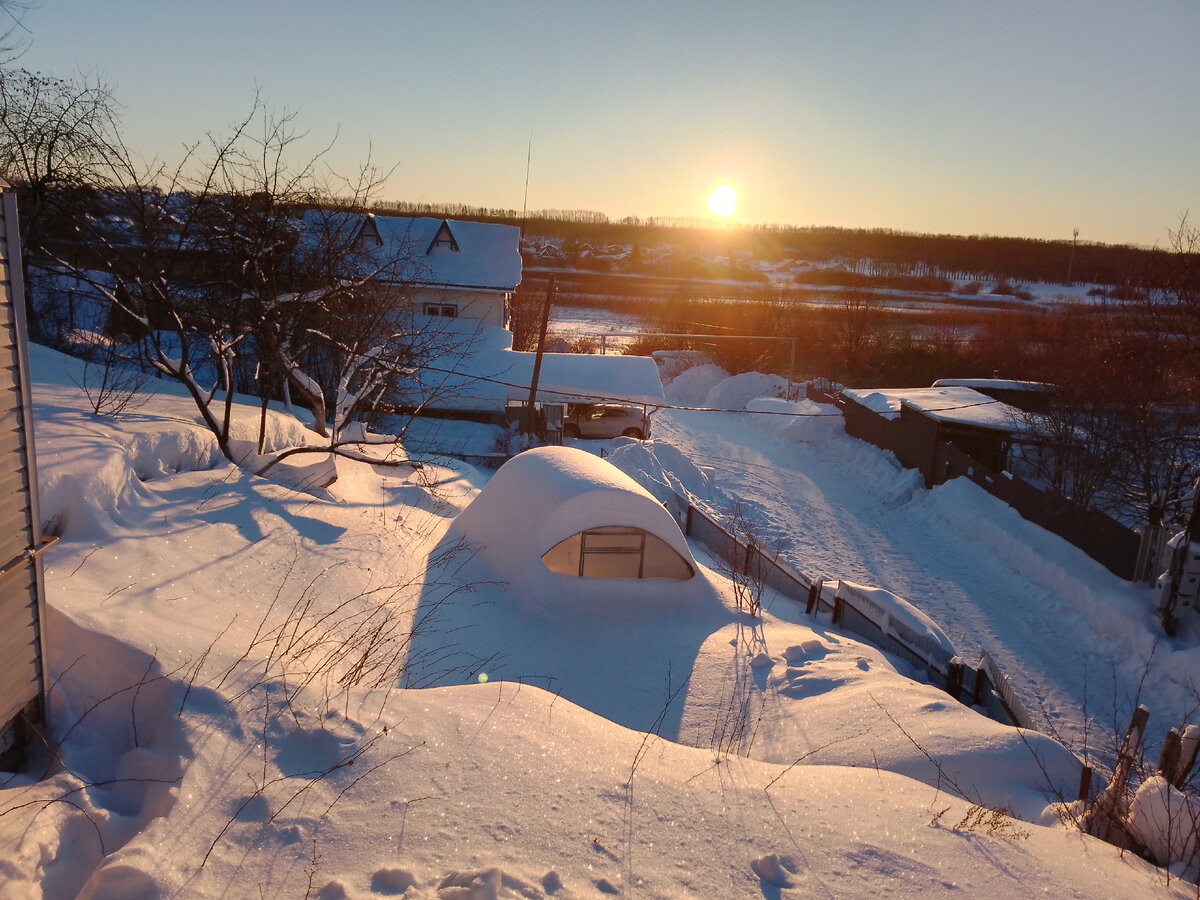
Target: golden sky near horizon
(952, 116)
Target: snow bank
(1167, 822)
(691, 387)
(800, 421)
(673, 363)
(897, 617)
(737, 391)
(664, 471)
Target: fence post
(981, 680)
(1105, 821)
(1085, 783)
(1168, 759)
(838, 603)
(954, 678)
(1190, 744)
(981, 685)
(814, 597)
(687, 525)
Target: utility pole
(530, 412)
(1071, 261)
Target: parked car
(606, 420)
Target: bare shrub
(112, 380)
(747, 558)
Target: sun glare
(723, 201)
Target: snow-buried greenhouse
(567, 529)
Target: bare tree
(12, 31)
(217, 271)
(57, 141)
(856, 319)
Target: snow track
(1078, 643)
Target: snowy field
(267, 690)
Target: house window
(617, 551)
(443, 240)
(448, 310)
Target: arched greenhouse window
(617, 551)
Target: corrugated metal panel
(13, 480)
(14, 533)
(22, 680)
(21, 668)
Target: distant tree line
(875, 252)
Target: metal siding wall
(21, 677)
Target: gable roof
(478, 255)
(428, 252)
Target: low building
(917, 423)
(473, 371)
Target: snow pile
(691, 387)
(673, 363)
(1167, 823)
(800, 421)
(737, 391)
(664, 471)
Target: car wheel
(570, 432)
(632, 432)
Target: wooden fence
(915, 442)
(983, 686)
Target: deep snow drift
(226, 651)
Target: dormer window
(443, 240)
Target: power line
(602, 398)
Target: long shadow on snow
(632, 669)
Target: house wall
(490, 307)
(22, 682)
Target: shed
(572, 534)
(914, 422)
(22, 593)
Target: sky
(1028, 118)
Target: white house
(454, 268)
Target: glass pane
(617, 551)
(612, 565)
(564, 556)
(662, 561)
(612, 539)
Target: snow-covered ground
(225, 653)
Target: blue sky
(1017, 117)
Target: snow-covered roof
(961, 405)
(543, 496)
(993, 384)
(449, 252)
(429, 251)
(481, 371)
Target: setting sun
(723, 201)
